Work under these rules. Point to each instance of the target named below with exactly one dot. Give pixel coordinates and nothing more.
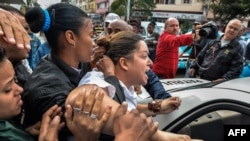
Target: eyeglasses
(234, 28)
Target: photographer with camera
(221, 59)
(196, 47)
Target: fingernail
(12, 40)
(20, 46)
(28, 46)
(57, 119)
(1, 32)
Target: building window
(170, 2)
(101, 6)
(186, 1)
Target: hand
(138, 89)
(84, 119)
(106, 65)
(12, 31)
(97, 55)
(170, 104)
(132, 126)
(34, 129)
(51, 125)
(167, 136)
(191, 72)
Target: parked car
(183, 59)
(207, 107)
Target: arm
(108, 128)
(154, 87)
(160, 107)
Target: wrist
(124, 136)
(155, 106)
(107, 74)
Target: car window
(209, 127)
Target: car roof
(197, 93)
(196, 97)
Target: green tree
(224, 10)
(119, 6)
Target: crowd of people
(80, 83)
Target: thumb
(122, 109)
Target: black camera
(209, 31)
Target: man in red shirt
(166, 61)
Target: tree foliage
(120, 6)
(225, 10)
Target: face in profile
(10, 92)
(142, 61)
(84, 43)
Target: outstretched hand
(170, 104)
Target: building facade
(192, 10)
(103, 6)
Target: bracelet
(155, 106)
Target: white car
(208, 109)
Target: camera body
(209, 31)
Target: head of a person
(232, 29)
(128, 51)
(67, 28)
(151, 27)
(15, 54)
(195, 24)
(10, 92)
(110, 18)
(172, 26)
(136, 24)
(117, 26)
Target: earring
(74, 45)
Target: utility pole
(128, 9)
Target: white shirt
(97, 78)
(130, 96)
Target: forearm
(143, 108)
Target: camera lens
(205, 32)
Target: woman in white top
(129, 54)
